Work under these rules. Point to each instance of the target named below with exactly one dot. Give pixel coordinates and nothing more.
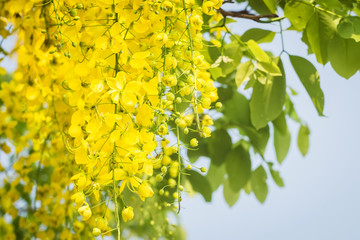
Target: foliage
(114, 101)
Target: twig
(243, 14)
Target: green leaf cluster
(257, 100)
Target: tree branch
(245, 14)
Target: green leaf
(258, 184)
(230, 196)
(298, 13)
(348, 3)
(259, 54)
(282, 138)
(200, 184)
(227, 61)
(270, 68)
(330, 3)
(259, 35)
(213, 51)
(225, 93)
(345, 28)
(247, 187)
(271, 4)
(21, 127)
(267, 100)
(303, 139)
(349, 27)
(219, 145)
(309, 77)
(237, 110)
(344, 55)
(276, 176)
(280, 123)
(320, 29)
(259, 6)
(216, 73)
(258, 138)
(194, 155)
(180, 233)
(251, 82)
(290, 110)
(243, 72)
(238, 167)
(233, 51)
(215, 176)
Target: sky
(320, 199)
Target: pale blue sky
(320, 199)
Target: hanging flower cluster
(101, 95)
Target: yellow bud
(170, 96)
(186, 131)
(159, 178)
(172, 182)
(127, 213)
(194, 142)
(96, 232)
(175, 195)
(166, 160)
(182, 123)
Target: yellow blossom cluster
(100, 88)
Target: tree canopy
(114, 101)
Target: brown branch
(245, 14)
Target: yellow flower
(85, 212)
(168, 8)
(169, 80)
(196, 22)
(217, 3)
(206, 131)
(101, 223)
(160, 39)
(116, 85)
(120, 174)
(208, 8)
(138, 60)
(145, 191)
(75, 131)
(78, 198)
(127, 214)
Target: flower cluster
(101, 88)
